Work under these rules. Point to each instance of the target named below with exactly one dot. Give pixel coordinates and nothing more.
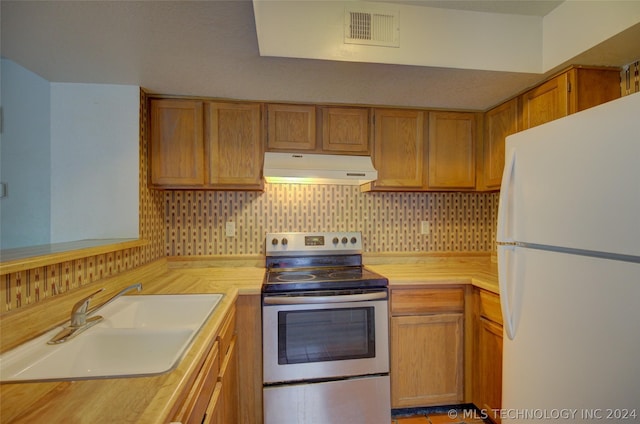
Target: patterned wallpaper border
(23, 288)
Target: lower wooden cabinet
(427, 347)
(487, 378)
(213, 396)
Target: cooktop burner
(317, 261)
(322, 279)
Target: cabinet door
(452, 158)
(546, 102)
(177, 150)
(399, 148)
(291, 127)
(345, 130)
(426, 360)
(213, 414)
(229, 379)
(234, 145)
(591, 87)
(499, 123)
(489, 363)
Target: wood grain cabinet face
(487, 353)
(177, 149)
(570, 92)
(545, 103)
(201, 144)
(452, 151)
(399, 148)
(234, 144)
(291, 127)
(427, 347)
(345, 130)
(499, 123)
(214, 397)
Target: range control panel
(306, 244)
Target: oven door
(324, 336)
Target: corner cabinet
(205, 145)
(487, 378)
(427, 346)
(499, 122)
(570, 92)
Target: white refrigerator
(569, 268)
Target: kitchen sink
(139, 336)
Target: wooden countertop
(401, 271)
(128, 400)
(149, 399)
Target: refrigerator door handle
(505, 197)
(504, 283)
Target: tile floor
(438, 418)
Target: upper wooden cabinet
(291, 127)
(499, 123)
(235, 145)
(176, 147)
(345, 130)
(325, 129)
(452, 150)
(570, 92)
(398, 149)
(205, 145)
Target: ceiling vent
(373, 28)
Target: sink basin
(159, 311)
(139, 336)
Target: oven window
(325, 335)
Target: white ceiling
(210, 48)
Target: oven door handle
(300, 300)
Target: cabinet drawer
(490, 306)
(227, 331)
(419, 301)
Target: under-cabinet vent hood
(303, 168)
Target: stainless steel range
(325, 332)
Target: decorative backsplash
(390, 222)
(630, 78)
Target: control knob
(285, 241)
(354, 240)
(335, 240)
(344, 240)
(274, 241)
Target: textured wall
(390, 222)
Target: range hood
(303, 168)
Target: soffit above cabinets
(213, 49)
(504, 36)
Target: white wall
(25, 158)
(94, 161)
(576, 26)
(428, 36)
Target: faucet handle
(79, 310)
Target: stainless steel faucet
(80, 315)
